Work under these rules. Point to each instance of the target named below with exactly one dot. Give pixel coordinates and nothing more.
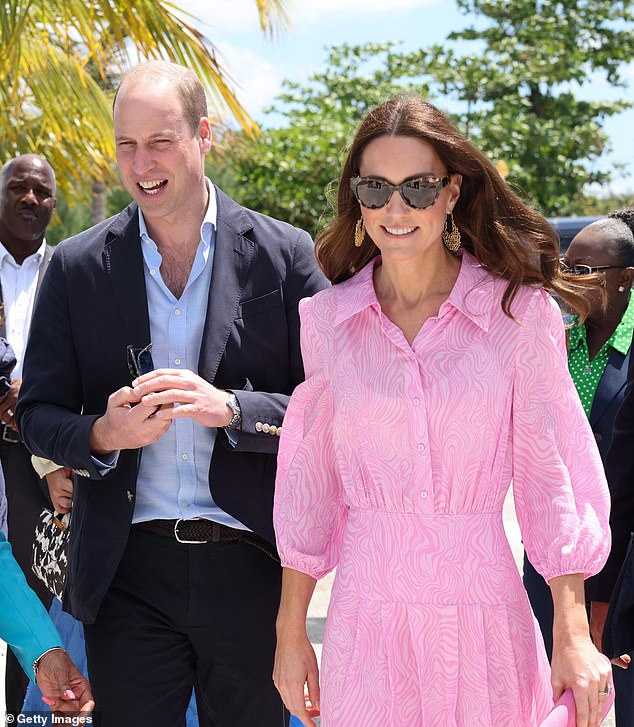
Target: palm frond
(58, 59)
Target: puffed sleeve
(309, 513)
(561, 495)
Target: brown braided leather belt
(204, 531)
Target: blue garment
(72, 634)
(173, 480)
(24, 623)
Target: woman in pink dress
(436, 374)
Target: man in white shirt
(27, 203)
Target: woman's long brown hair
(505, 235)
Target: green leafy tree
(515, 93)
(519, 88)
(289, 171)
(591, 205)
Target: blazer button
(598, 436)
(258, 426)
(130, 496)
(273, 429)
(279, 431)
(266, 428)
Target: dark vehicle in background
(567, 228)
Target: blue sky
(259, 65)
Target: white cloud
(302, 10)
(240, 16)
(257, 80)
(237, 16)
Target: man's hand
(598, 613)
(60, 489)
(182, 393)
(7, 405)
(63, 686)
(125, 426)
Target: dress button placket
(422, 499)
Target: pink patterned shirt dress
(394, 464)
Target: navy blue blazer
(93, 304)
(607, 399)
(619, 468)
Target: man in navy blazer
(163, 350)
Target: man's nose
(29, 196)
(142, 161)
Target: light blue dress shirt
(173, 480)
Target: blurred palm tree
(60, 61)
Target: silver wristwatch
(236, 419)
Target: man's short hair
(189, 89)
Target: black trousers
(25, 500)
(177, 616)
(542, 603)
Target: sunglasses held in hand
(140, 362)
(419, 192)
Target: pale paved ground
(319, 603)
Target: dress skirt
(429, 626)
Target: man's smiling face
(161, 158)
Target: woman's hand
(576, 663)
(60, 489)
(295, 662)
(296, 666)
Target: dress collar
(472, 293)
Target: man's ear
(205, 134)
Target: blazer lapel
(48, 254)
(610, 385)
(123, 264)
(232, 258)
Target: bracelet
(36, 663)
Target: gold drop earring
(451, 234)
(359, 232)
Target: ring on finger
(606, 691)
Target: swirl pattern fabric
(394, 464)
